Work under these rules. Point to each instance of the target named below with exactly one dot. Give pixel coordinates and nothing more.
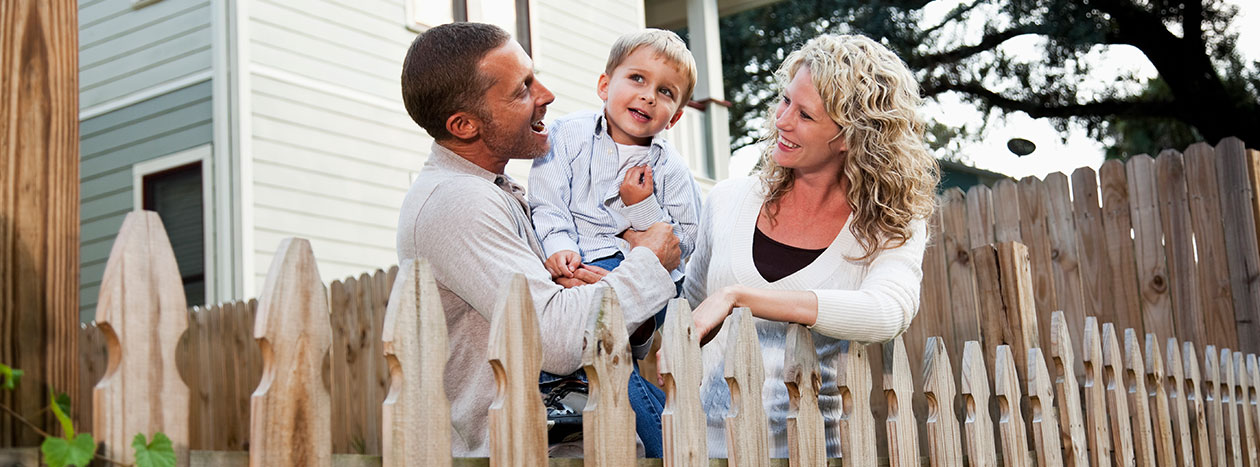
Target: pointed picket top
(1011, 421)
(1117, 398)
(1227, 384)
(981, 450)
(1197, 406)
(683, 422)
(857, 423)
(1178, 403)
(415, 417)
(807, 444)
(747, 430)
(290, 415)
(903, 436)
(938, 387)
(517, 420)
(606, 358)
(142, 314)
(1072, 422)
(1041, 403)
(1161, 419)
(1098, 430)
(1242, 403)
(1212, 399)
(1139, 400)
(1253, 377)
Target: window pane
(177, 198)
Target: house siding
(110, 145)
(125, 50)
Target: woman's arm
(794, 306)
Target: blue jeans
(646, 400)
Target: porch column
(702, 23)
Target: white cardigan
(866, 301)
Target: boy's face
(642, 97)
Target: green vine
(78, 449)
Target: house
(247, 121)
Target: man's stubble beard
(518, 144)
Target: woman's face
(807, 135)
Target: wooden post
(415, 417)
(981, 450)
(1242, 403)
(39, 208)
(1011, 421)
(747, 431)
(1139, 400)
(1041, 402)
(1197, 407)
(1227, 383)
(903, 440)
(807, 444)
(1070, 417)
(1099, 431)
(1117, 397)
(1240, 235)
(143, 314)
(1156, 381)
(857, 425)
(606, 358)
(683, 423)
(289, 413)
(518, 421)
(1179, 397)
(938, 386)
(1212, 398)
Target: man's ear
(677, 115)
(602, 87)
(463, 125)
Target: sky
(1053, 154)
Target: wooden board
(1064, 258)
(1117, 398)
(415, 416)
(962, 288)
(807, 443)
(1072, 421)
(1034, 213)
(1237, 205)
(1045, 424)
(1209, 241)
(1118, 230)
(978, 426)
(857, 425)
(1242, 404)
(1203, 446)
(1227, 384)
(1180, 396)
(1253, 380)
(1006, 211)
(903, 441)
(1010, 315)
(1098, 292)
(942, 428)
(1098, 429)
(1148, 246)
(1011, 421)
(143, 315)
(289, 417)
(517, 419)
(1139, 400)
(1157, 382)
(1174, 211)
(1212, 400)
(747, 431)
(980, 221)
(683, 420)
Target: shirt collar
(446, 159)
(601, 129)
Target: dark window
(176, 196)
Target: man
(473, 89)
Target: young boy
(610, 171)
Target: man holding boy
(473, 89)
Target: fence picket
(1041, 403)
(807, 444)
(682, 421)
(1006, 211)
(1064, 257)
(1227, 384)
(980, 215)
(1203, 445)
(1180, 399)
(1139, 400)
(1099, 431)
(1157, 393)
(1118, 228)
(143, 315)
(1253, 404)
(938, 386)
(517, 419)
(1242, 402)
(1209, 242)
(1148, 246)
(1098, 292)
(934, 303)
(1174, 211)
(1212, 399)
(857, 425)
(747, 435)
(1011, 317)
(201, 382)
(981, 450)
(343, 308)
(903, 440)
(415, 416)
(290, 417)
(1010, 421)
(1034, 212)
(1068, 391)
(1240, 238)
(1117, 397)
(606, 359)
(962, 288)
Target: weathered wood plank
(1068, 391)
(1011, 421)
(1010, 313)
(1117, 398)
(857, 425)
(1174, 212)
(683, 420)
(1212, 399)
(1203, 446)
(1139, 400)
(981, 449)
(517, 419)
(1179, 395)
(143, 314)
(1253, 402)
(962, 288)
(1034, 214)
(416, 417)
(1157, 393)
(343, 307)
(903, 439)
(1242, 403)
(1045, 424)
(290, 419)
(1148, 246)
(1227, 384)
(1209, 242)
(1095, 388)
(980, 221)
(1006, 211)
(942, 428)
(1064, 258)
(747, 432)
(1237, 206)
(1118, 228)
(1098, 292)
(807, 444)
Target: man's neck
(477, 153)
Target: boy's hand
(562, 263)
(637, 185)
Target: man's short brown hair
(440, 75)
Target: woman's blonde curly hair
(870, 93)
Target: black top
(775, 260)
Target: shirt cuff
(841, 316)
(643, 213)
(640, 351)
(557, 242)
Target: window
(512, 15)
(176, 188)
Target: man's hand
(637, 185)
(585, 274)
(660, 239)
(563, 263)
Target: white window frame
(204, 155)
(424, 14)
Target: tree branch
(954, 14)
(1040, 109)
(988, 42)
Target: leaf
(67, 426)
(63, 401)
(159, 453)
(11, 376)
(58, 452)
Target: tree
(1204, 89)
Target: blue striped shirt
(574, 192)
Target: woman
(830, 234)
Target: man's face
(514, 105)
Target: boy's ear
(602, 87)
(463, 125)
(677, 115)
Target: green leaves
(11, 377)
(159, 453)
(60, 452)
(67, 426)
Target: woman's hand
(712, 312)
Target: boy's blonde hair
(666, 44)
